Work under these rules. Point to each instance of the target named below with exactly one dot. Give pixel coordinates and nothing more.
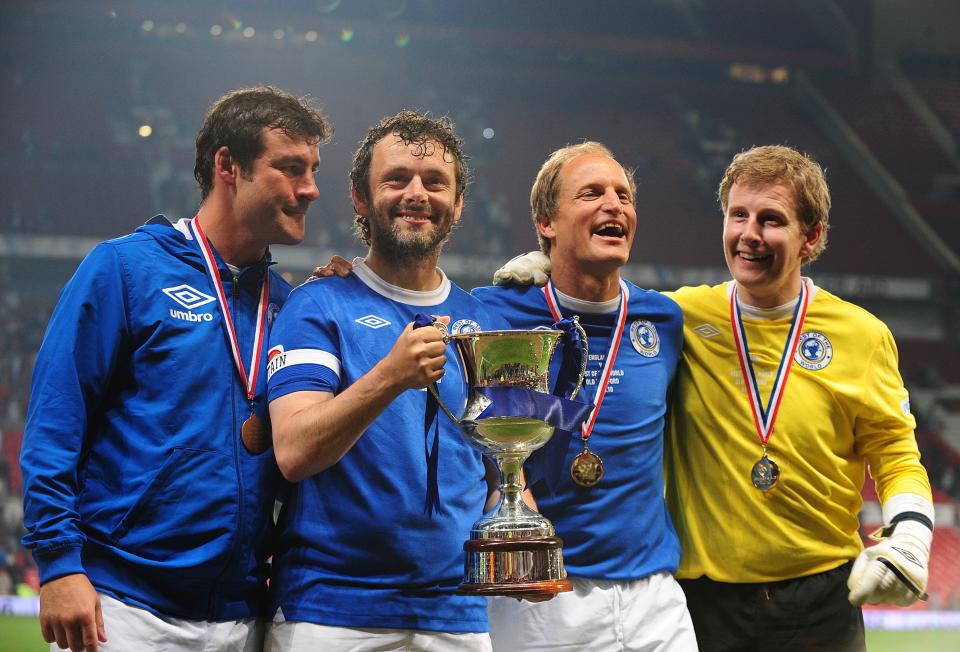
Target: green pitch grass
(927, 640)
(19, 634)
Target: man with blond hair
(620, 548)
(785, 396)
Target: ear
(811, 238)
(457, 210)
(545, 228)
(225, 168)
(360, 204)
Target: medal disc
(254, 435)
(587, 469)
(440, 326)
(765, 474)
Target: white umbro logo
(372, 321)
(188, 297)
(706, 331)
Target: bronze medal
(765, 474)
(255, 435)
(587, 468)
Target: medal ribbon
(214, 274)
(763, 419)
(553, 303)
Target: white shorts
(292, 636)
(643, 615)
(131, 628)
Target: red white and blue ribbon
(207, 253)
(764, 418)
(553, 303)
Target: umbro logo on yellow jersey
(706, 331)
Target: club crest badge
(464, 326)
(814, 351)
(645, 339)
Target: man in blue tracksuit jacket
(149, 475)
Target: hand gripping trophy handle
(509, 413)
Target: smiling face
(412, 203)
(595, 221)
(273, 195)
(764, 243)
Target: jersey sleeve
(80, 353)
(884, 427)
(304, 350)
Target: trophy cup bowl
(513, 550)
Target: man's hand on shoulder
(532, 267)
(70, 613)
(336, 267)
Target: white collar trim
(399, 294)
(590, 307)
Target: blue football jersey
(357, 547)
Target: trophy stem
(511, 491)
(512, 518)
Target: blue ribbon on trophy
(545, 465)
(431, 503)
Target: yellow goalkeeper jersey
(844, 408)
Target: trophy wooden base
(521, 590)
(531, 568)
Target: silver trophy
(513, 550)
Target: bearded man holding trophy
(370, 551)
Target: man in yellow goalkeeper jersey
(785, 397)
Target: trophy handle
(432, 388)
(583, 356)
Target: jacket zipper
(212, 603)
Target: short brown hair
(545, 193)
(412, 128)
(769, 164)
(237, 121)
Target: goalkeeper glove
(532, 267)
(895, 570)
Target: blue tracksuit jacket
(134, 471)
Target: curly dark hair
(237, 121)
(413, 128)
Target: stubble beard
(398, 246)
